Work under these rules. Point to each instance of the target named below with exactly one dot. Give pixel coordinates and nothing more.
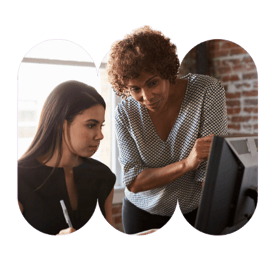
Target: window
(43, 68)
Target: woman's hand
(199, 152)
(66, 231)
(151, 178)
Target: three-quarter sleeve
(129, 156)
(213, 118)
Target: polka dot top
(202, 112)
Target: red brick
(230, 78)
(223, 70)
(247, 126)
(235, 133)
(250, 76)
(239, 68)
(217, 63)
(241, 118)
(118, 219)
(242, 85)
(233, 111)
(234, 126)
(220, 53)
(250, 93)
(247, 59)
(251, 110)
(233, 95)
(229, 45)
(255, 117)
(256, 127)
(230, 62)
(238, 50)
(233, 103)
(255, 84)
(251, 102)
(251, 67)
(213, 45)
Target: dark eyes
(153, 83)
(150, 85)
(135, 90)
(91, 126)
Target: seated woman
(57, 165)
(164, 129)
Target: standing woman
(164, 129)
(57, 165)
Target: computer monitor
(230, 191)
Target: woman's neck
(176, 94)
(67, 160)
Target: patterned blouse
(202, 112)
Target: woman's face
(83, 135)
(150, 90)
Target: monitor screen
(230, 190)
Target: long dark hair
(65, 101)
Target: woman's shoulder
(27, 166)
(99, 167)
(200, 79)
(31, 174)
(199, 85)
(126, 106)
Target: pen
(65, 212)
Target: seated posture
(164, 128)
(57, 165)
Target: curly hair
(143, 50)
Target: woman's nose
(99, 135)
(147, 96)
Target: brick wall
(235, 68)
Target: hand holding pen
(68, 220)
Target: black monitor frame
(230, 190)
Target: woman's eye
(91, 125)
(151, 84)
(135, 90)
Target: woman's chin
(91, 154)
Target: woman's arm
(21, 206)
(151, 178)
(108, 207)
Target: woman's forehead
(96, 112)
(141, 79)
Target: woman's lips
(94, 148)
(153, 105)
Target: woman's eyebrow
(148, 80)
(93, 120)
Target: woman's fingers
(66, 231)
(200, 151)
(206, 140)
